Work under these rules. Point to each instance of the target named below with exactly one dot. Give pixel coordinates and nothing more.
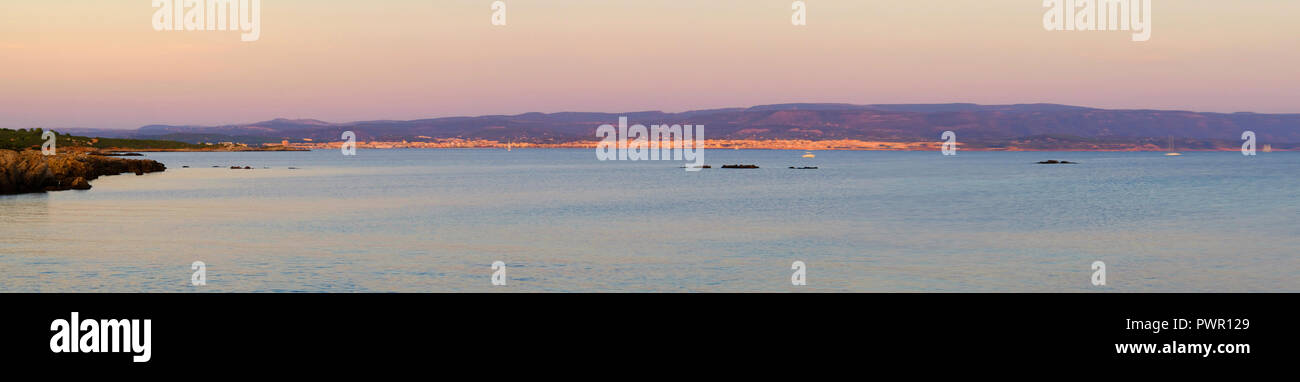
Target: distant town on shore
(796, 126)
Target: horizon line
(662, 111)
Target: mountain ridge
(788, 121)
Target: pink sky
(100, 63)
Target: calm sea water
(434, 220)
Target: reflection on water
(24, 209)
(434, 220)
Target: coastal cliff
(29, 171)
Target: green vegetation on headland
(24, 139)
(30, 139)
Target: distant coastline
(224, 149)
(794, 126)
(783, 144)
(35, 139)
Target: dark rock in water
(739, 166)
(185, 166)
(109, 154)
(1056, 162)
(30, 171)
(79, 184)
(804, 168)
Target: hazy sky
(100, 63)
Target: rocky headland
(30, 171)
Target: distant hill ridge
(807, 121)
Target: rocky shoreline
(222, 149)
(29, 171)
